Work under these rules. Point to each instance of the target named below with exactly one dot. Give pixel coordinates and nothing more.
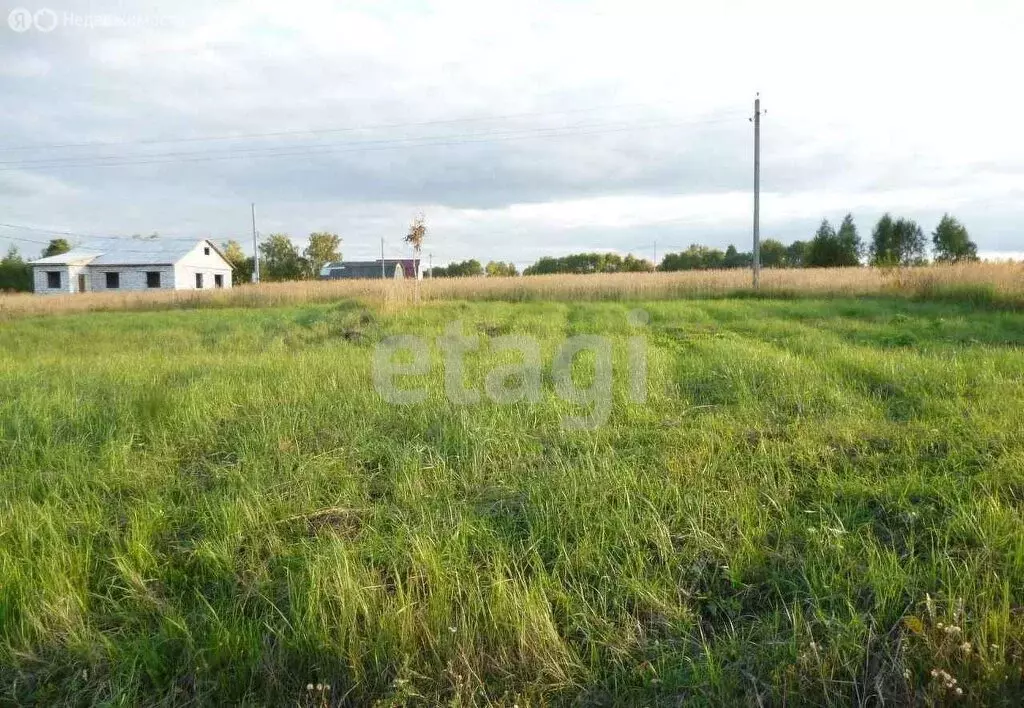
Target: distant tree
(829, 249)
(897, 243)
(323, 248)
(737, 259)
(821, 250)
(280, 259)
(796, 254)
(233, 252)
(462, 269)
(849, 247)
(579, 263)
(882, 241)
(696, 257)
(544, 266)
(15, 273)
(952, 243)
(632, 264)
(498, 269)
(56, 247)
(773, 253)
(470, 269)
(241, 264)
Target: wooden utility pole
(757, 192)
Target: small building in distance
(134, 265)
(388, 268)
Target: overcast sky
(520, 129)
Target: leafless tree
(417, 234)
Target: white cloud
(871, 107)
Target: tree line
(473, 268)
(581, 263)
(281, 259)
(893, 242)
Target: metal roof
(73, 257)
(358, 269)
(129, 252)
(346, 269)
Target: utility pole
(757, 192)
(255, 248)
(382, 274)
(430, 268)
(655, 253)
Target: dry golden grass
(993, 282)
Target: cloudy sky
(519, 129)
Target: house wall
(185, 277)
(133, 278)
(39, 280)
(68, 279)
(198, 262)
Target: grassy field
(820, 501)
(994, 284)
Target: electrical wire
(25, 239)
(321, 131)
(58, 232)
(336, 148)
(501, 132)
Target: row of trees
(462, 269)
(281, 259)
(472, 267)
(582, 263)
(894, 242)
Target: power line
(272, 149)
(319, 131)
(96, 237)
(27, 240)
(330, 149)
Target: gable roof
(141, 251)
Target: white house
(133, 265)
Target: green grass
(214, 506)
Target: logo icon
(45, 19)
(20, 19)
